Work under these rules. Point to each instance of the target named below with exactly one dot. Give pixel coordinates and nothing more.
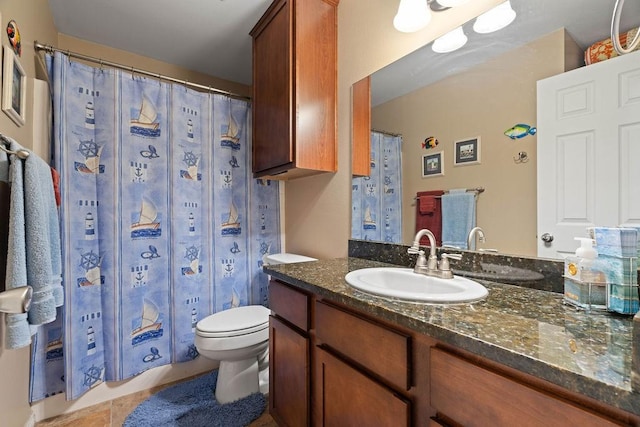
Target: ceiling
(212, 36)
(209, 36)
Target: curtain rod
(50, 49)
(386, 133)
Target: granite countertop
(527, 329)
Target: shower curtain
(162, 224)
(376, 200)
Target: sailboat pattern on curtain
(161, 223)
(376, 211)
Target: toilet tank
(285, 258)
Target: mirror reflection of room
(486, 90)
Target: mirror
(480, 92)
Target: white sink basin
(403, 283)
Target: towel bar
(476, 190)
(22, 154)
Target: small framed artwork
(467, 152)
(14, 87)
(432, 165)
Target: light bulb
(449, 42)
(412, 16)
(451, 3)
(495, 19)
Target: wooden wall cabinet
(295, 89)
(361, 127)
(365, 371)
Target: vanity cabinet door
(289, 344)
(288, 374)
(344, 396)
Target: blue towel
(458, 217)
(17, 333)
(34, 251)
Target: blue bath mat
(192, 404)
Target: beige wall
(482, 102)
(144, 63)
(317, 208)
(14, 364)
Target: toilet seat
(234, 322)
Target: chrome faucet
(430, 266)
(472, 235)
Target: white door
(588, 152)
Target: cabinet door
(346, 397)
(288, 375)
(272, 90)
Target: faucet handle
(414, 249)
(444, 264)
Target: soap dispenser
(583, 285)
(587, 253)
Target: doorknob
(547, 237)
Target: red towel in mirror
(427, 204)
(432, 216)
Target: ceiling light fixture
(451, 3)
(413, 15)
(495, 19)
(451, 41)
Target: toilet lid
(235, 321)
(286, 258)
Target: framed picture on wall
(14, 87)
(432, 165)
(467, 152)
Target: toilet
(239, 339)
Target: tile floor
(113, 413)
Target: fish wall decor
(430, 142)
(520, 131)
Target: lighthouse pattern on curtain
(162, 224)
(376, 200)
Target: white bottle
(586, 253)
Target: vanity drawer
(289, 304)
(381, 350)
(472, 395)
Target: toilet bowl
(239, 339)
